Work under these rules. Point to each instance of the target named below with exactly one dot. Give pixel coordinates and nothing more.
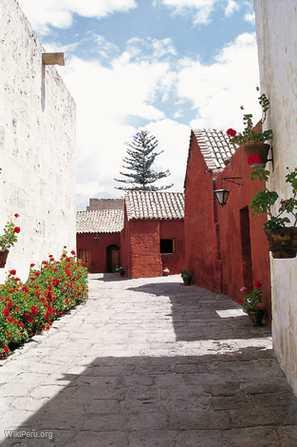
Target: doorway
(113, 258)
(246, 249)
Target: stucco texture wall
(277, 43)
(216, 251)
(201, 251)
(140, 247)
(96, 246)
(37, 145)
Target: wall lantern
(222, 196)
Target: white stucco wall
(276, 23)
(37, 145)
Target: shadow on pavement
(238, 399)
(194, 313)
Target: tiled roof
(101, 221)
(155, 205)
(215, 147)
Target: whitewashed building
(37, 144)
(276, 23)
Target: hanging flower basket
(257, 154)
(282, 242)
(3, 258)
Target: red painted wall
(173, 229)
(141, 256)
(96, 245)
(201, 249)
(213, 235)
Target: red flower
(68, 273)
(73, 252)
(56, 282)
(28, 317)
(44, 262)
(12, 272)
(231, 133)
(6, 311)
(258, 285)
(37, 273)
(32, 265)
(254, 159)
(25, 289)
(34, 310)
(16, 215)
(17, 230)
(6, 349)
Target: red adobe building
(144, 234)
(98, 235)
(225, 247)
(153, 235)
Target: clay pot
(257, 317)
(3, 258)
(257, 154)
(282, 242)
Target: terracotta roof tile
(154, 205)
(215, 146)
(100, 221)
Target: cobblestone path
(148, 363)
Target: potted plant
(280, 227)
(253, 139)
(253, 305)
(8, 239)
(187, 277)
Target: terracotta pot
(257, 317)
(282, 242)
(260, 153)
(3, 258)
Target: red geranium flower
(34, 310)
(12, 272)
(56, 282)
(16, 215)
(258, 285)
(32, 265)
(25, 289)
(5, 311)
(17, 229)
(6, 349)
(37, 273)
(73, 252)
(231, 133)
(28, 317)
(254, 159)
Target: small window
(166, 246)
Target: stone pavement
(148, 363)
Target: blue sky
(167, 65)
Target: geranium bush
(10, 234)
(30, 307)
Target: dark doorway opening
(113, 258)
(246, 249)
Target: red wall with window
(141, 255)
(226, 247)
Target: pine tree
(139, 174)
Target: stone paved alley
(149, 363)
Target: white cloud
(202, 8)
(107, 97)
(113, 100)
(216, 91)
(231, 7)
(59, 13)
